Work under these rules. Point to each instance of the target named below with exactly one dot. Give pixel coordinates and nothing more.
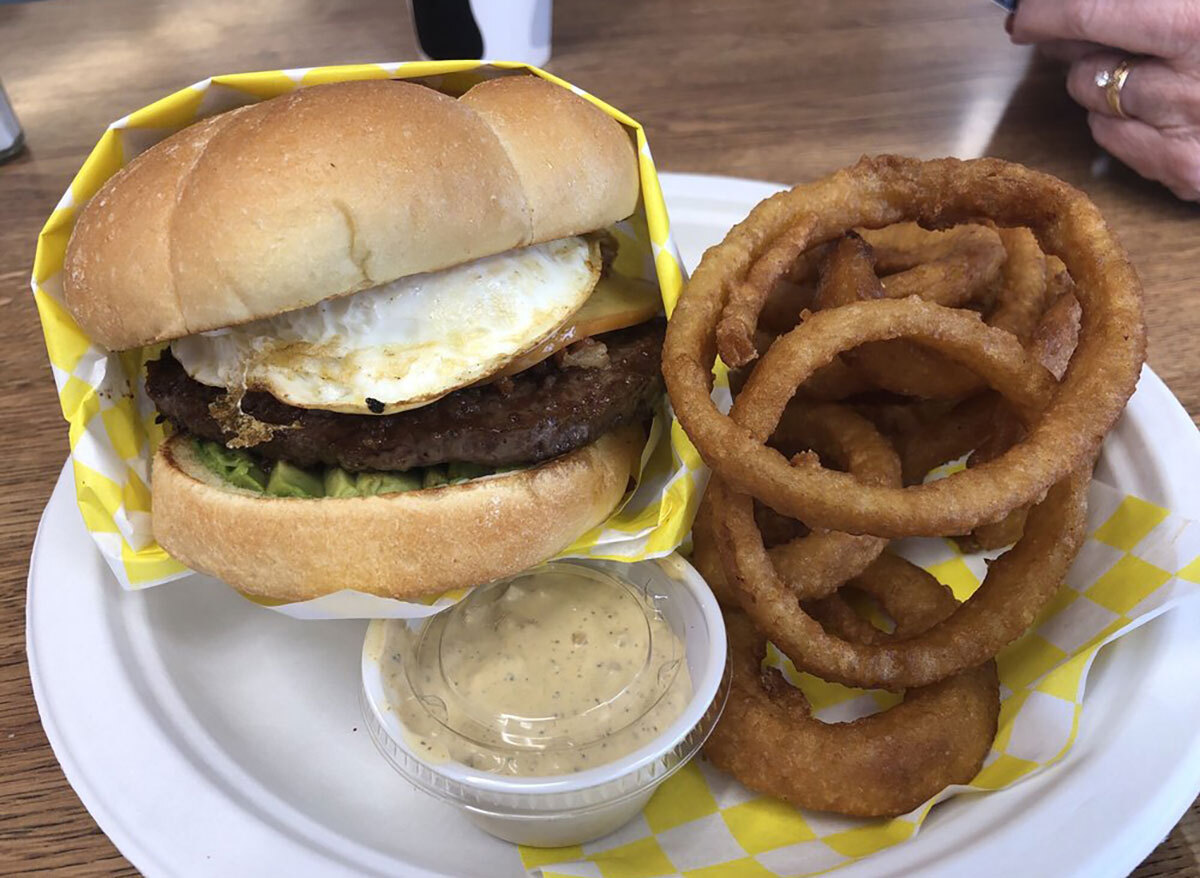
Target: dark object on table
(447, 29)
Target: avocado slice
(435, 477)
(288, 480)
(388, 483)
(236, 467)
(459, 471)
(339, 483)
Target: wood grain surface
(771, 89)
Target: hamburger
(385, 329)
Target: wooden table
(773, 89)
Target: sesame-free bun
(407, 545)
(332, 189)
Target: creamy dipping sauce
(555, 671)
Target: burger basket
(113, 434)
(1138, 561)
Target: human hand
(1160, 138)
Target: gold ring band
(1112, 81)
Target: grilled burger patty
(540, 413)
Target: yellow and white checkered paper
(112, 431)
(1139, 560)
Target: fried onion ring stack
(893, 317)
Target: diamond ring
(1112, 81)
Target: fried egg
(406, 343)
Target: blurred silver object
(12, 138)
(499, 30)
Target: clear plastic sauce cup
(569, 791)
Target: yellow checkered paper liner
(112, 431)
(1139, 560)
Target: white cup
(11, 136)
(499, 30)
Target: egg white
(406, 343)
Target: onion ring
(877, 192)
(705, 557)
(967, 260)
(955, 279)
(1005, 433)
(996, 535)
(735, 333)
(1052, 344)
(1018, 584)
(938, 440)
(1057, 334)
(898, 416)
(831, 383)
(834, 382)
(1058, 279)
(813, 565)
(1022, 295)
(781, 311)
(837, 501)
(902, 246)
(777, 529)
(880, 765)
(902, 367)
(912, 596)
(948, 266)
(848, 275)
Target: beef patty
(540, 413)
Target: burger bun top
(333, 189)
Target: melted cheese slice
(616, 303)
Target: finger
(1167, 28)
(1069, 51)
(1153, 92)
(1172, 161)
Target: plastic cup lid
(509, 669)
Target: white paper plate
(208, 736)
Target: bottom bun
(406, 545)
